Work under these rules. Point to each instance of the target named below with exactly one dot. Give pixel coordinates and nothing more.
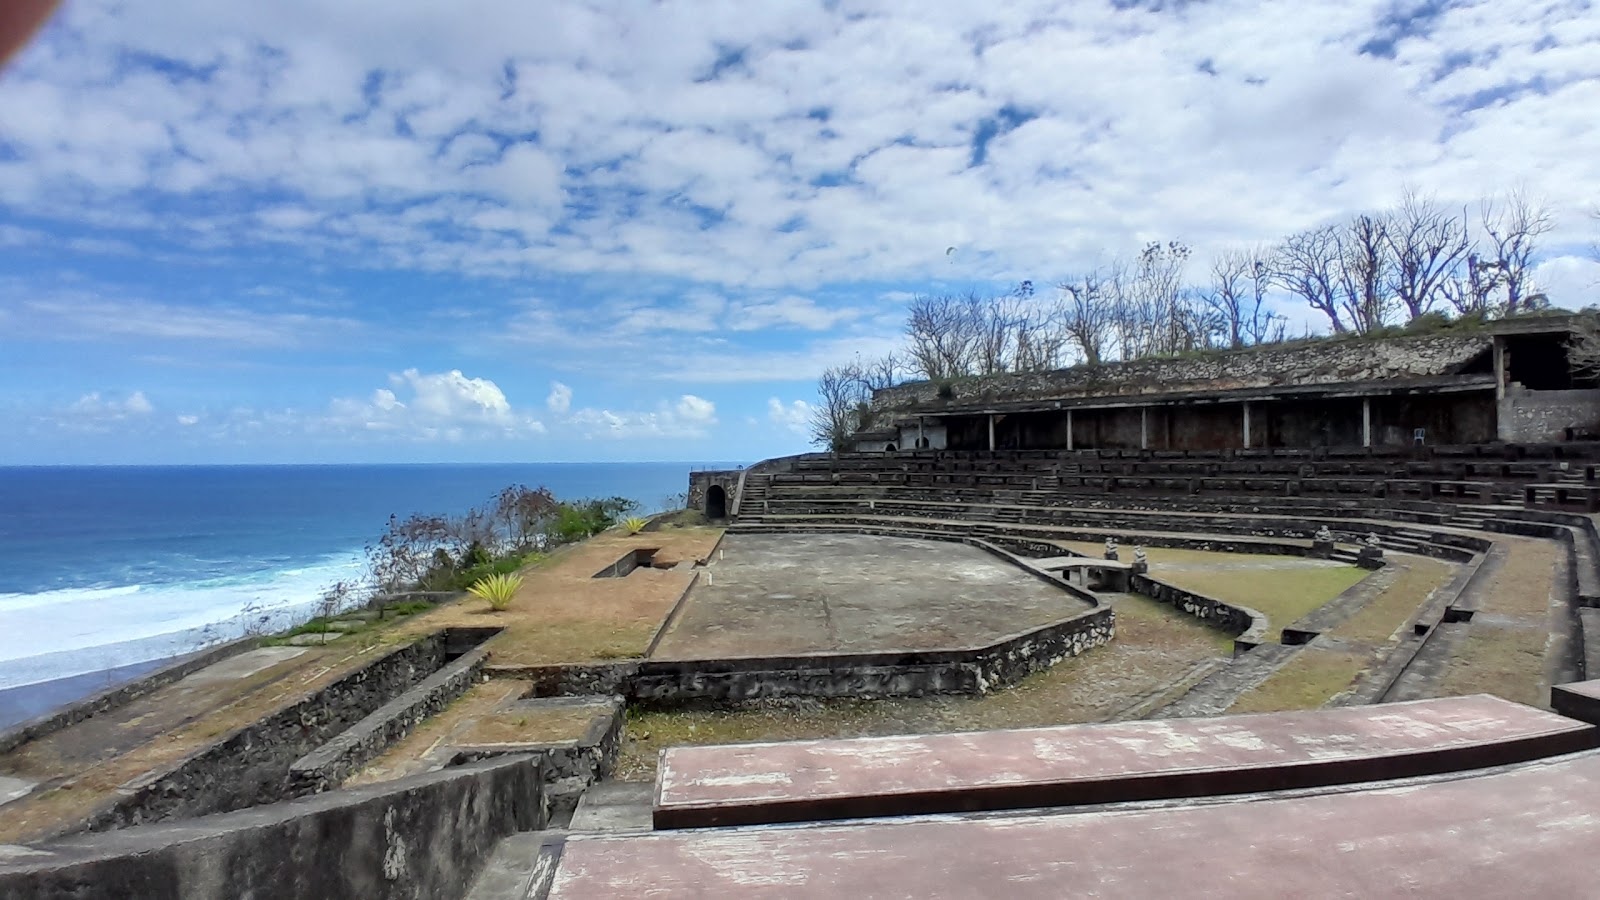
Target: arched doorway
(716, 502)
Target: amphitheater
(1309, 626)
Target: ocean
(111, 568)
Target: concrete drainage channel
(313, 744)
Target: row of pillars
(1144, 426)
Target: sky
(409, 231)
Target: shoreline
(30, 701)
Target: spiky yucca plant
(634, 524)
(497, 590)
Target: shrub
(496, 589)
(634, 524)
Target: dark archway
(890, 448)
(716, 502)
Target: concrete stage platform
(792, 594)
(1523, 831)
(797, 781)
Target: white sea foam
(56, 634)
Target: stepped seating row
(1346, 832)
(1530, 485)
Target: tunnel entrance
(716, 502)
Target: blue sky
(495, 231)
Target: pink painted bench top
(1076, 764)
(1527, 831)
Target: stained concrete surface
(1522, 831)
(768, 594)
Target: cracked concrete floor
(770, 594)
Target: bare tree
(1513, 226)
(1086, 314)
(880, 373)
(941, 337)
(843, 393)
(1237, 298)
(1427, 246)
(1363, 273)
(1306, 265)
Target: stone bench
(1523, 831)
(1081, 764)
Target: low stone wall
(249, 766)
(567, 766)
(328, 766)
(112, 698)
(972, 670)
(1248, 627)
(419, 838)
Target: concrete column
(991, 432)
(1366, 421)
(1069, 430)
(1247, 426)
(920, 435)
(1499, 344)
(1144, 428)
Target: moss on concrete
(1307, 681)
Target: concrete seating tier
(744, 784)
(1457, 478)
(1518, 831)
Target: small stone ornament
(1139, 559)
(1111, 548)
(1324, 535)
(1372, 540)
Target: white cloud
(795, 417)
(843, 145)
(696, 410)
(689, 417)
(560, 399)
(188, 420)
(436, 406)
(93, 406)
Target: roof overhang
(1452, 384)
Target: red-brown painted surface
(912, 774)
(1531, 831)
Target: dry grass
(1377, 622)
(1307, 681)
(529, 726)
(563, 614)
(1504, 651)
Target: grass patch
(1376, 622)
(1282, 595)
(1504, 650)
(1306, 682)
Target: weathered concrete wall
(1321, 362)
(419, 838)
(1544, 416)
(701, 482)
(1248, 627)
(908, 674)
(249, 766)
(328, 766)
(568, 766)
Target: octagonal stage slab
(790, 594)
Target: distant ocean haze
(104, 567)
